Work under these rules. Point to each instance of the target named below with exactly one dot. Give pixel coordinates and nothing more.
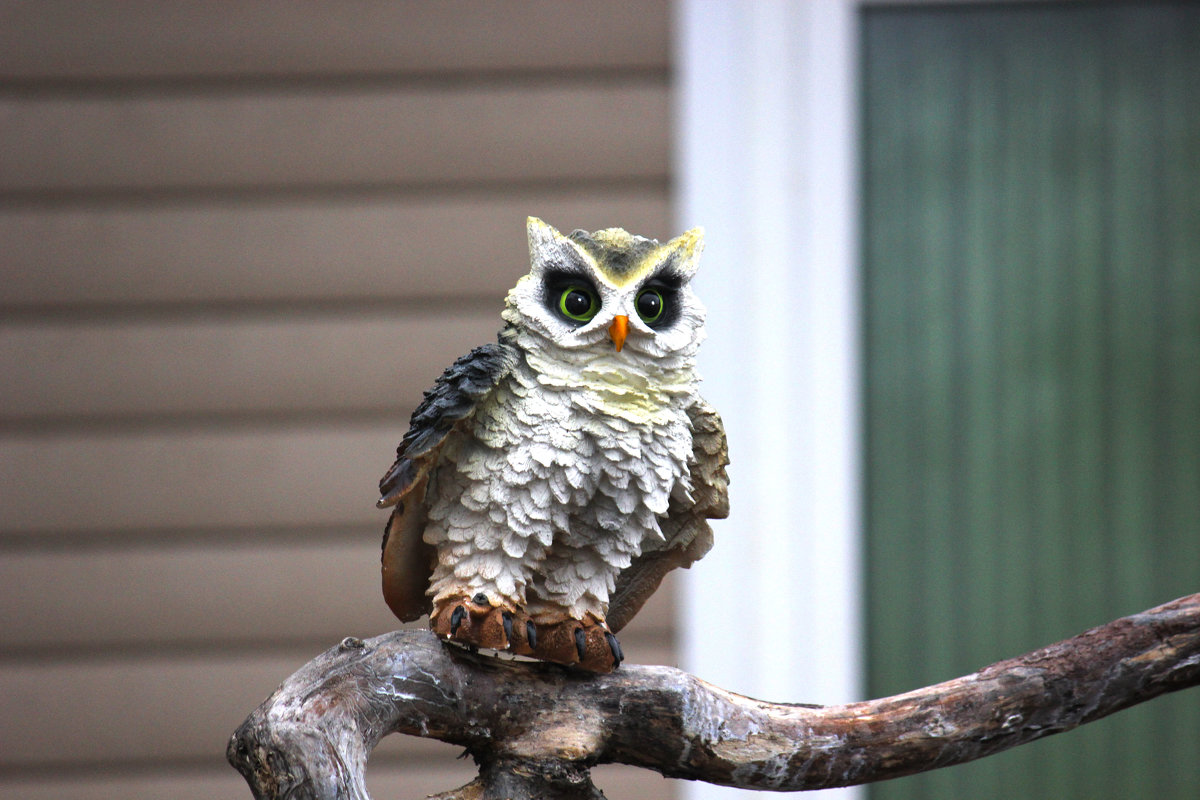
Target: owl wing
(685, 526)
(407, 561)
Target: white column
(767, 140)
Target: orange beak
(618, 330)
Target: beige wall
(237, 241)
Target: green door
(1032, 380)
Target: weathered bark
(535, 729)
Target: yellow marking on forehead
(623, 259)
(626, 275)
(618, 257)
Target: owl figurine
(549, 481)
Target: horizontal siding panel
(385, 779)
(185, 593)
(79, 713)
(190, 482)
(209, 784)
(95, 39)
(404, 781)
(210, 479)
(214, 693)
(195, 366)
(620, 781)
(322, 137)
(324, 249)
(193, 593)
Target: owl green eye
(650, 305)
(578, 303)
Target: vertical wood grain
(1032, 288)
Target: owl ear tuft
(549, 247)
(684, 251)
(539, 231)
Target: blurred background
(953, 274)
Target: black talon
(580, 643)
(456, 619)
(615, 647)
(531, 634)
(508, 630)
(480, 599)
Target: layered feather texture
(556, 486)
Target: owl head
(610, 292)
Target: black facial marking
(555, 280)
(531, 634)
(666, 275)
(456, 619)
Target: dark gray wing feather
(452, 399)
(407, 562)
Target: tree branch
(535, 729)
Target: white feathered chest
(572, 478)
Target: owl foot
(586, 643)
(475, 621)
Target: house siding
(239, 241)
